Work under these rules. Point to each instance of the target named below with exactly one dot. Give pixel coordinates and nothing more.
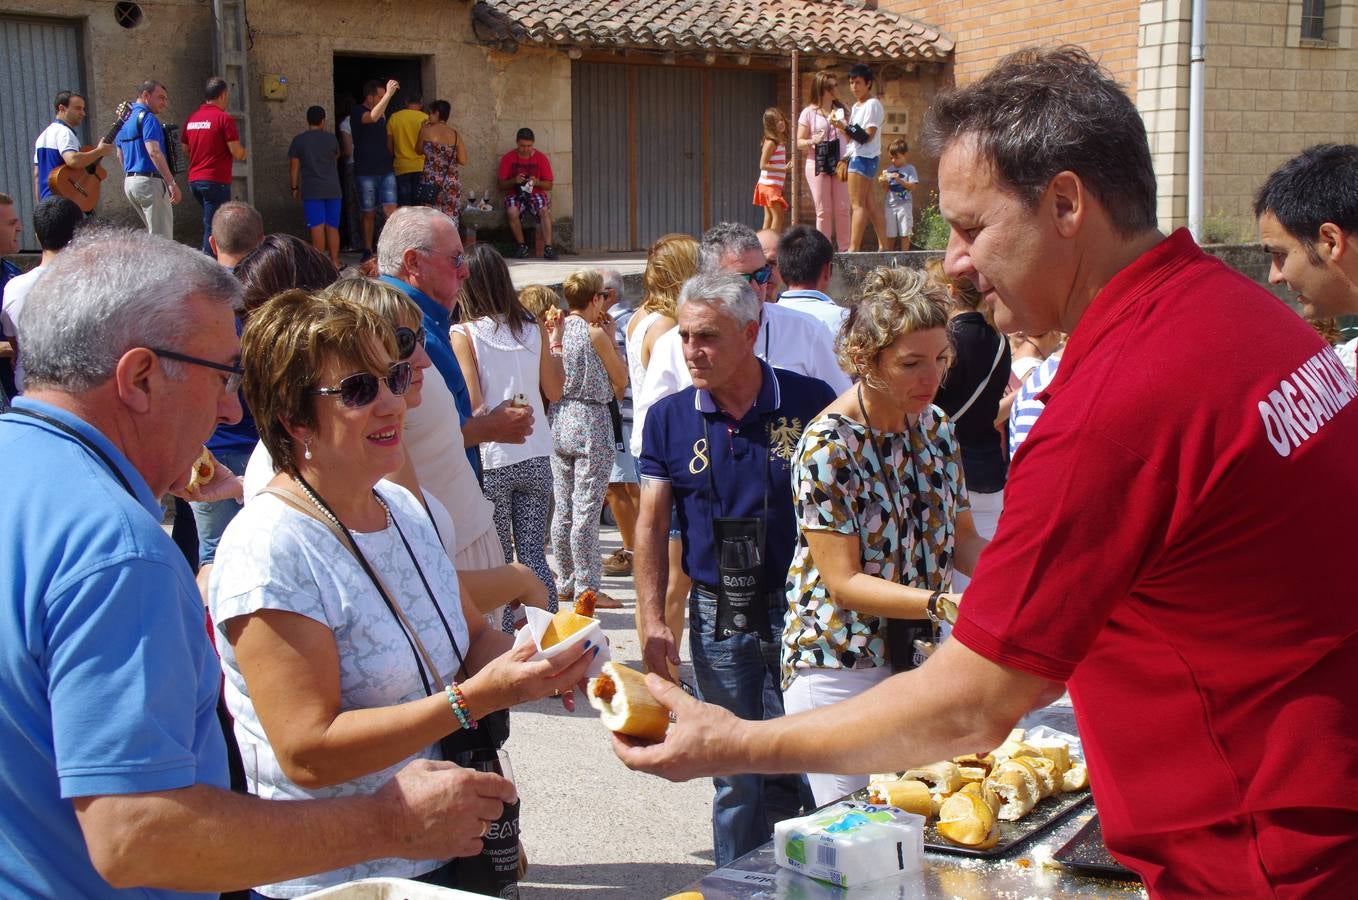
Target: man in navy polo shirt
(420, 254)
(723, 448)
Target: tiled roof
(822, 27)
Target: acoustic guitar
(80, 184)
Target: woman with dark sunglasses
(347, 645)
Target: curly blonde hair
(891, 303)
(672, 260)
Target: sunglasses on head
(407, 340)
(760, 275)
(360, 389)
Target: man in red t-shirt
(1308, 224)
(1175, 547)
(211, 141)
(526, 177)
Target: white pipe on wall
(1197, 63)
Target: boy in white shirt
(900, 179)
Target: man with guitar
(59, 145)
(148, 180)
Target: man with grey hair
(114, 773)
(786, 339)
(721, 451)
(148, 180)
(420, 254)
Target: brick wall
(986, 30)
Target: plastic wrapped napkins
(851, 843)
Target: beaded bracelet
(458, 701)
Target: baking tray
(1042, 818)
(1087, 854)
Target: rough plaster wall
(173, 44)
(491, 94)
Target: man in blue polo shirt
(721, 451)
(420, 254)
(114, 768)
(147, 180)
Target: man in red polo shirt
(212, 141)
(1176, 542)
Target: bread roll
(203, 470)
(1076, 778)
(1047, 782)
(986, 793)
(911, 796)
(942, 777)
(976, 760)
(1017, 787)
(563, 625)
(971, 774)
(967, 821)
(625, 705)
(1056, 750)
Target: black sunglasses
(760, 275)
(407, 340)
(234, 373)
(360, 389)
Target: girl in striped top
(773, 168)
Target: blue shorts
(369, 188)
(321, 212)
(864, 165)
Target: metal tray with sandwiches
(984, 805)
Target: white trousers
(814, 688)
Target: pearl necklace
(325, 511)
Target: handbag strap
(348, 541)
(999, 352)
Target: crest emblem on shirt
(784, 436)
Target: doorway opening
(351, 71)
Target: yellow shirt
(404, 128)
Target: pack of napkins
(851, 843)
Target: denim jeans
(210, 194)
(739, 674)
(212, 518)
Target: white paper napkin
(539, 619)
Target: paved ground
(538, 271)
(592, 828)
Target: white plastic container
(851, 843)
(388, 889)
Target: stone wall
(1271, 94)
(492, 94)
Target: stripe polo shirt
(56, 140)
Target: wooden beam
(632, 128)
(707, 149)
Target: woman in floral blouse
(881, 504)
